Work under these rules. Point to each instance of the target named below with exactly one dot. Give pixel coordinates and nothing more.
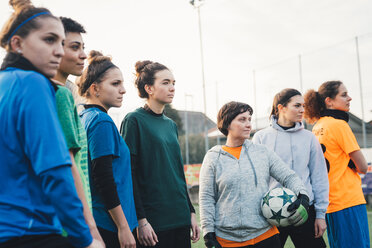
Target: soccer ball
(274, 206)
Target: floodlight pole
(197, 6)
(361, 92)
(187, 130)
(301, 82)
(217, 105)
(255, 99)
(300, 73)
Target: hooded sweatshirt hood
(274, 123)
(247, 143)
(301, 151)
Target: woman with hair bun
(300, 149)
(164, 210)
(108, 156)
(347, 222)
(37, 192)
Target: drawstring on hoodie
(219, 154)
(290, 146)
(275, 121)
(250, 161)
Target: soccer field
(289, 244)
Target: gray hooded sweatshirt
(300, 149)
(231, 190)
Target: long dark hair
(283, 98)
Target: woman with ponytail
(300, 149)
(109, 160)
(164, 210)
(347, 223)
(37, 192)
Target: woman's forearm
(118, 217)
(359, 161)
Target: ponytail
(315, 100)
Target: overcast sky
(239, 36)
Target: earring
(97, 94)
(19, 51)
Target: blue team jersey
(31, 145)
(103, 140)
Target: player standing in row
(37, 190)
(233, 180)
(164, 210)
(347, 222)
(76, 138)
(109, 159)
(299, 149)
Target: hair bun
(141, 64)
(19, 5)
(96, 56)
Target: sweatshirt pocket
(229, 219)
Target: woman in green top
(164, 211)
(72, 63)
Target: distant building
(195, 121)
(257, 124)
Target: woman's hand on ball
(300, 208)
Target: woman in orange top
(347, 223)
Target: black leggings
(174, 238)
(303, 236)
(111, 239)
(38, 241)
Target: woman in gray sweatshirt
(233, 180)
(300, 149)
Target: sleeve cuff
(84, 240)
(139, 217)
(112, 204)
(303, 192)
(320, 214)
(208, 229)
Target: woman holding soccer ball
(347, 223)
(233, 180)
(300, 149)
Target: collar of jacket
(274, 124)
(18, 61)
(247, 143)
(337, 114)
(88, 106)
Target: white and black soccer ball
(274, 206)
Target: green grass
(289, 244)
